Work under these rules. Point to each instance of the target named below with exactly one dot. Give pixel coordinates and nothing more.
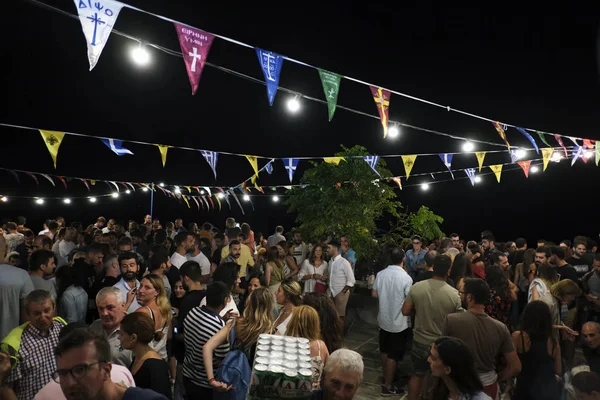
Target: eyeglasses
(77, 372)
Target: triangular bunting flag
(588, 143)
(525, 166)
(513, 156)
(163, 153)
(253, 160)
(530, 138)
(49, 179)
(195, 45)
(574, 140)
(269, 167)
(13, 173)
(497, 169)
(542, 135)
(290, 165)
(258, 188)
(409, 162)
(560, 142)
(597, 152)
(471, 174)
(188, 188)
(207, 190)
(186, 201)
(501, 132)
(115, 185)
(196, 201)
(480, 157)
(212, 203)
(97, 20)
(116, 146)
(62, 180)
(33, 177)
(53, 140)
(333, 160)
(447, 160)
(546, 155)
(270, 63)
(211, 158)
(382, 100)
(578, 153)
(398, 181)
(372, 161)
(331, 87)
(237, 201)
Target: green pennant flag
(331, 87)
(542, 138)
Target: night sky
(535, 68)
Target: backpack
(234, 370)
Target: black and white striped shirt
(200, 325)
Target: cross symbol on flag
(290, 165)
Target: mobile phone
(175, 330)
(172, 311)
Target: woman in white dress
(314, 269)
(289, 296)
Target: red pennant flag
(211, 201)
(197, 188)
(33, 177)
(501, 132)
(60, 178)
(163, 190)
(138, 185)
(588, 143)
(245, 187)
(525, 166)
(560, 142)
(85, 183)
(195, 45)
(382, 100)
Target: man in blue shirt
(415, 257)
(347, 252)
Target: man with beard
(591, 288)
(240, 254)
(578, 260)
(112, 311)
(486, 337)
(184, 243)
(41, 268)
(128, 285)
(300, 248)
(84, 370)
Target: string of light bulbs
(393, 130)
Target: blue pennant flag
(528, 136)
(578, 153)
(372, 161)
(116, 146)
(270, 64)
(211, 158)
(269, 167)
(447, 160)
(290, 165)
(471, 174)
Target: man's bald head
(591, 334)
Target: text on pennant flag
(211, 158)
(409, 162)
(270, 63)
(480, 157)
(372, 161)
(52, 140)
(497, 170)
(525, 166)
(331, 87)
(471, 174)
(546, 155)
(97, 19)
(501, 132)
(382, 100)
(116, 146)
(195, 45)
(290, 165)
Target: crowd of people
(151, 312)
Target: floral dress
(498, 308)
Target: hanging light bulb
(202, 192)
(220, 195)
(556, 157)
(140, 55)
(275, 199)
(144, 189)
(425, 187)
(293, 104)
(128, 191)
(246, 197)
(177, 190)
(4, 199)
(588, 154)
(92, 199)
(115, 195)
(468, 146)
(520, 153)
(477, 179)
(39, 201)
(67, 201)
(161, 184)
(534, 169)
(393, 132)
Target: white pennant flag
(97, 20)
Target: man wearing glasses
(415, 258)
(84, 371)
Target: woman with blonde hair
(256, 320)
(558, 299)
(289, 296)
(274, 270)
(152, 297)
(305, 324)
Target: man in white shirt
(341, 278)
(300, 249)
(184, 243)
(128, 285)
(109, 226)
(391, 287)
(276, 237)
(201, 259)
(66, 246)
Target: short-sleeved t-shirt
(15, 285)
(136, 393)
(432, 301)
(483, 335)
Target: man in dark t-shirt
(564, 269)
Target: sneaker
(394, 391)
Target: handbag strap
(232, 336)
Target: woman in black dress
(149, 370)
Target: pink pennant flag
(85, 183)
(195, 45)
(525, 166)
(560, 142)
(33, 177)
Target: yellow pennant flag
(547, 155)
(186, 201)
(497, 169)
(333, 160)
(253, 179)
(253, 160)
(189, 189)
(163, 153)
(409, 162)
(53, 140)
(398, 181)
(92, 182)
(219, 202)
(480, 157)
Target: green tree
(345, 199)
(425, 223)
